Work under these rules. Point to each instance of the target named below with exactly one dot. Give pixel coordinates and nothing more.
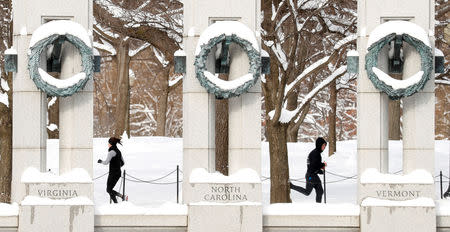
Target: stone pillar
(241, 210)
(71, 201)
(397, 197)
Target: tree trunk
(123, 90)
(161, 113)
(221, 128)
(394, 115)
(6, 146)
(222, 136)
(292, 133)
(6, 117)
(279, 164)
(332, 119)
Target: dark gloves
(99, 161)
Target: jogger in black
(115, 161)
(315, 167)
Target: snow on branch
(175, 81)
(288, 115)
(132, 53)
(160, 56)
(105, 46)
(305, 73)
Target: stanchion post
(440, 181)
(178, 179)
(324, 186)
(123, 191)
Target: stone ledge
(9, 222)
(141, 220)
(313, 221)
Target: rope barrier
(100, 176)
(154, 180)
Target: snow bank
(397, 84)
(228, 28)
(227, 85)
(419, 202)
(398, 27)
(76, 175)
(60, 27)
(443, 207)
(311, 209)
(245, 175)
(34, 200)
(373, 176)
(61, 83)
(9, 209)
(128, 208)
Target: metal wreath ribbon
(34, 62)
(254, 57)
(426, 57)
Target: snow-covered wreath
(413, 35)
(44, 36)
(239, 34)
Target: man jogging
(315, 167)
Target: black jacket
(314, 162)
(116, 162)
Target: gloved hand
(99, 161)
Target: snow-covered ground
(149, 158)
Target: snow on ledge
(352, 53)
(373, 176)
(312, 209)
(9, 209)
(180, 52)
(228, 28)
(419, 202)
(227, 85)
(60, 27)
(128, 208)
(245, 175)
(34, 200)
(77, 175)
(11, 51)
(398, 27)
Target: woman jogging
(115, 161)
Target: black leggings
(113, 177)
(312, 181)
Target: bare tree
(5, 104)
(308, 42)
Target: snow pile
(311, 209)
(419, 202)
(245, 175)
(10, 51)
(34, 200)
(128, 208)
(60, 27)
(419, 176)
(58, 83)
(398, 84)
(398, 27)
(228, 28)
(9, 209)
(227, 85)
(76, 175)
(52, 127)
(443, 207)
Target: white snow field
(149, 158)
